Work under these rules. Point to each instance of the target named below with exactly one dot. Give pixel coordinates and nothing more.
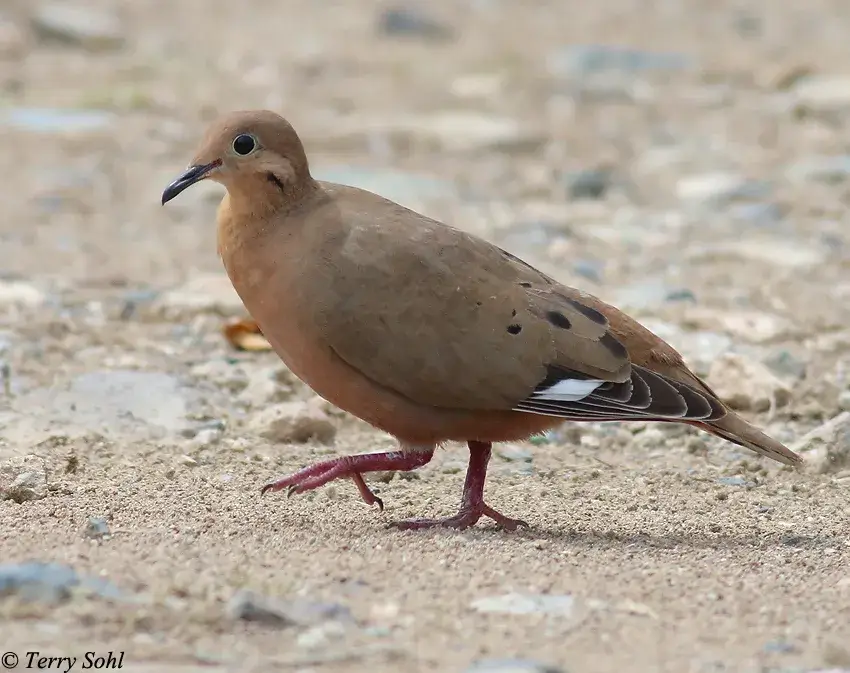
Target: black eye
(244, 144)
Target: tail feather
(735, 429)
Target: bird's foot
(466, 517)
(353, 467)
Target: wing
(449, 320)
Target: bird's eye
(244, 144)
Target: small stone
(294, 422)
(746, 384)
(97, 528)
(207, 437)
(19, 293)
(320, 635)
(511, 666)
(779, 647)
(263, 388)
(733, 481)
(822, 93)
(527, 604)
(582, 60)
(649, 294)
(409, 20)
(786, 364)
(718, 189)
(829, 170)
(251, 607)
(513, 453)
(23, 478)
(50, 582)
(827, 448)
(590, 269)
(187, 461)
(588, 184)
(749, 326)
(223, 373)
(203, 293)
(78, 26)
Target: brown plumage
(423, 330)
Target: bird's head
(244, 148)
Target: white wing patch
(567, 390)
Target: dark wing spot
(514, 328)
(478, 303)
(513, 313)
(558, 319)
(524, 283)
(614, 347)
(590, 313)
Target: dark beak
(192, 175)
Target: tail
(735, 429)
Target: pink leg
(472, 505)
(350, 466)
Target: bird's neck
(252, 207)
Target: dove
(423, 330)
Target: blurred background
(686, 160)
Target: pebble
(511, 666)
(224, 373)
(749, 326)
(734, 481)
(50, 582)
(786, 364)
(187, 461)
(19, 293)
(78, 26)
(513, 453)
(581, 60)
(97, 528)
(647, 294)
(294, 422)
(589, 268)
(263, 388)
(527, 604)
(822, 93)
(23, 478)
(319, 636)
(588, 184)
(827, 447)
(746, 384)
(700, 348)
(206, 437)
(829, 170)
(718, 189)
(412, 20)
(249, 606)
(203, 293)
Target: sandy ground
(718, 216)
